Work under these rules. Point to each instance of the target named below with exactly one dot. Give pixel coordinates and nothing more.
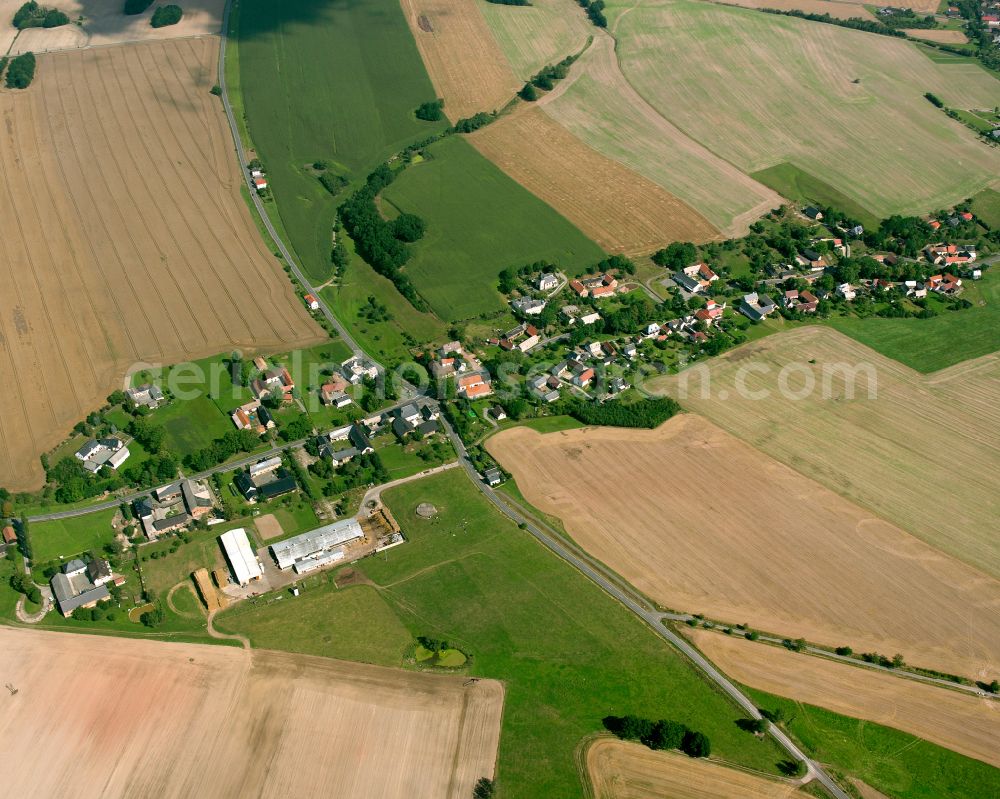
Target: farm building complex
(316, 548)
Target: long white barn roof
(241, 555)
(287, 552)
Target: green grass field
(801, 187)
(67, 537)
(822, 114)
(986, 205)
(568, 654)
(893, 762)
(479, 221)
(931, 344)
(326, 79)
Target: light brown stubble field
(105, 23)
(617, 208)
(624, 770)
(702, 522)
(105, 717)
(967, 724)
(123, 238)
(885, 453)
(465, 64)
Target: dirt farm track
(108, 717)
(123, 238)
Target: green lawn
(551, 424)
(986, 205)
(163, 573)
(479, 221)
(567, 653)
(403, 461)
(893, 762)
(351, 623)
(931, 344)
(326, 79)
(801, 187)
(68, 537)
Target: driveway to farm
(374, 494)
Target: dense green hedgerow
(166, 15)
(614, 413)
(21, 71)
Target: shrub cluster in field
(431, 111)
(378, 241)
(32, 15)
(595, 12)
(136, 6)
(21, 71)
(166, 15)
(662, 734)
(614, 413)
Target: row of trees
(222, 449)
(378, 241)
(661, 734)
(32, 15)
(546, 78)
(856, 23)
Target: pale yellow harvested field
(845, 106)
(840, 9)
(466, 65)
(702, 522)
(623, 770)
(599, 106)
(617, 208)
(105, 717)
(543, 33)
(123, 238)
(885, 453)
(962, 722)
(104, 23)
(942, 36)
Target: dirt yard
(465, 63)
(623, 770)
(616, 207)
(967, 724)
(101, 22)
(131, 718)
(883, 453)
(123, 238)
(702, 522)
(268, 526)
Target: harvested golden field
(763, 89)
(103, 22)
(840, 9)
(129, 718)
(597, 104)
(123, 238)
(959, 721)
(702, 522)
(942, 36)
(466, 65)
(543, 33)
(623, 770)
(885, 453)
(618, 209)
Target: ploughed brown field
(702, 522)
(107, 717)
(968, 724)
(882, 449)
(123, 238)
(623, 770)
